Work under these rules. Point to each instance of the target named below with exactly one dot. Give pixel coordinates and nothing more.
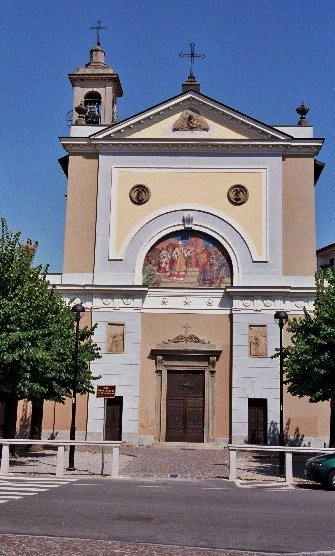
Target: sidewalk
(182, 463)
(12, 545)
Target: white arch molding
(204, 229)
(256, 257)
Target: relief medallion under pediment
(190, 121)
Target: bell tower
(95, 89)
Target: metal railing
(288, 450)
(60, 445)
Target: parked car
(321, 469)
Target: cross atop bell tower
(98, 28)
(95, 89)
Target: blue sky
(262, 58)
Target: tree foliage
(37, 334)
(309, 362)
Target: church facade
(187, 226)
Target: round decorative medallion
(139, 194)
(238, 194)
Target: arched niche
(92, 101)
(187, 259)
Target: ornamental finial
(302, 110)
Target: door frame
(198, 358)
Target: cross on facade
(98, 28)
(186, 327)
(192, 56)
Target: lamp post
(77, 309)
(281, 318)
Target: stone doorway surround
(185, 352)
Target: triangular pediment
(191, 115)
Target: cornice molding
(238, 291)
(238, 299)
(97, 288)
(293, 146)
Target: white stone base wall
(119, 369)
(254, 377)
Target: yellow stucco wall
(79, 241)
(298, 216)
(163, 129)
(206, 188)
(301, 417)
(306, 419)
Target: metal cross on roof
(98, 28)
(192, 55)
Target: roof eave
(200, 96)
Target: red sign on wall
(107, 391)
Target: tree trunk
(332, 423)
(36, 423)
(9, 426)
(10, 417)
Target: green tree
(309, 362)
(37, 336)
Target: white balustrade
(288, 450)
(60, 445)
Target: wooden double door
(257, 421)
(113, 418)
(185, 406)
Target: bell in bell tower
(96, 87)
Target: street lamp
(281, 318)
(77, 309)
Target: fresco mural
(187, 259)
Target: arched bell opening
(187, 259)
(92, 101)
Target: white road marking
(213, 488)
(19, 494)
(51, 478)
(151, 486)
(272, 486)
(24, 485)
(84, 484)
(23, 488)
(18, 488)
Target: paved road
(211, 514)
